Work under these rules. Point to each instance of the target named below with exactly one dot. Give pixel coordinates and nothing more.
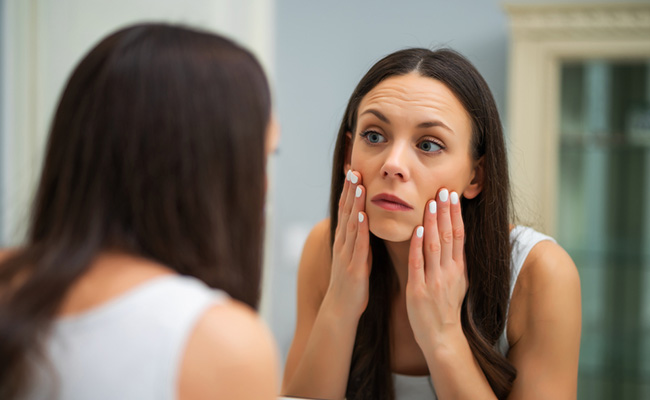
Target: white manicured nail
(348, 175)
(420, 231)
(360, 217)
(358, 192)
(353, 178)
(454, 198)
(432, 207)
(443, 195)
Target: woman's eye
(429, 146)
(374, 137)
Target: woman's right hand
(351, 255)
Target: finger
(344, 212)
(361, 252)
(416, 274)
(431, 239)
(457, 226)
(353, 223)
(444, 228)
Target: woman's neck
(399, 255)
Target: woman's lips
(390, 202)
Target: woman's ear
(347, 165)
(476, 184)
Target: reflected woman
(141, 270)
(418, 285)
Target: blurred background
(571, 80)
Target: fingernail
(353, 178)
(420, 231)
(358, 192)
(443, 195)
(360, 217)
(432, 207)
(348, 175)
(454, 198)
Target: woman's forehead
(414, 96)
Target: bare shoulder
(230, 354)
(318, 241)
(548, 286)
(544, 325)
(313, 281)
(548, 267)
(316, 260)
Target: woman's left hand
(437, 276)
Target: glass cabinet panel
(603, 212)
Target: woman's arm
(230, 355)
(319, 359)
(436, 286)
(543, 325)
(332, 295)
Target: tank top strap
(185, 301)
(522, 239)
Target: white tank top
(128, 348)
(523, 239)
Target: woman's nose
(396, 163)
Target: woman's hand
(437, 276)
(351, 256)
(319, 361)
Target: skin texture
(398, 164)
(386, 155)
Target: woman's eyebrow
(434, 123)
(377, 114)
(427, 124)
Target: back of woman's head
(156, 149)
(486, 220)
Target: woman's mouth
(390, 202)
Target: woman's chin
(391, 231)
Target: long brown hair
(156, 149)
(486, 218)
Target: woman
(151, 195)
(418, 286)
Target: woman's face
(412, 139)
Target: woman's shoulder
(545, 262)
(316, 251)
(547, 287)
(319, 236)
(544, 321)
(314, 267)
(549, 265)
(230, 354)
